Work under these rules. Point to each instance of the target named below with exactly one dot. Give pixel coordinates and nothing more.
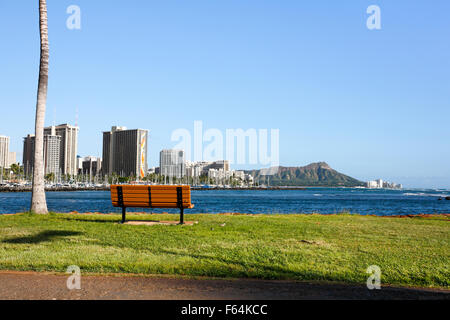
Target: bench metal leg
(181, 215)
(124, 212)
(180, 203)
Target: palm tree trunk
(38, 201)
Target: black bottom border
(182, 309)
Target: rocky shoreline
(28, 189)
(61, 189)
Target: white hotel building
(171, 163)
(4, 152)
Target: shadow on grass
(268, 272)
(95, 220)
(43, 236)
(112, 221)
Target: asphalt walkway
(34, 285)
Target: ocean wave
(421, 194)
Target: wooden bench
(141, 196)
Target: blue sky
(371, 103)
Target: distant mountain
(314, 174)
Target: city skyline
(370, 103)
(51, 133)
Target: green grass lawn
(409, 251)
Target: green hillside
(314, 174)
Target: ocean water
(312, 200)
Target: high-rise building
(108, 149)
(12, 158)
(91, 165)
(196, 169)
(52, 153)
(219, 174)
(4, 152)
(79, 164)
(382, 184)
(171, 163)
(220, 165)
(28, 154)
(125, 152)
(68, 147)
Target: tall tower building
(52, 152)
(12, 158)
(4, 152)
(171, 163)
(28, 154)
(68, 147)
(125, 152)
(91, 166)
(220, 165)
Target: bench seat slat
(165, 194)
(147, 204)
(154, 189)
(154, 205)
(127, 193)
(132, 194)
(154, 199)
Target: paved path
(33, 285)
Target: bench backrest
(143, 196)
